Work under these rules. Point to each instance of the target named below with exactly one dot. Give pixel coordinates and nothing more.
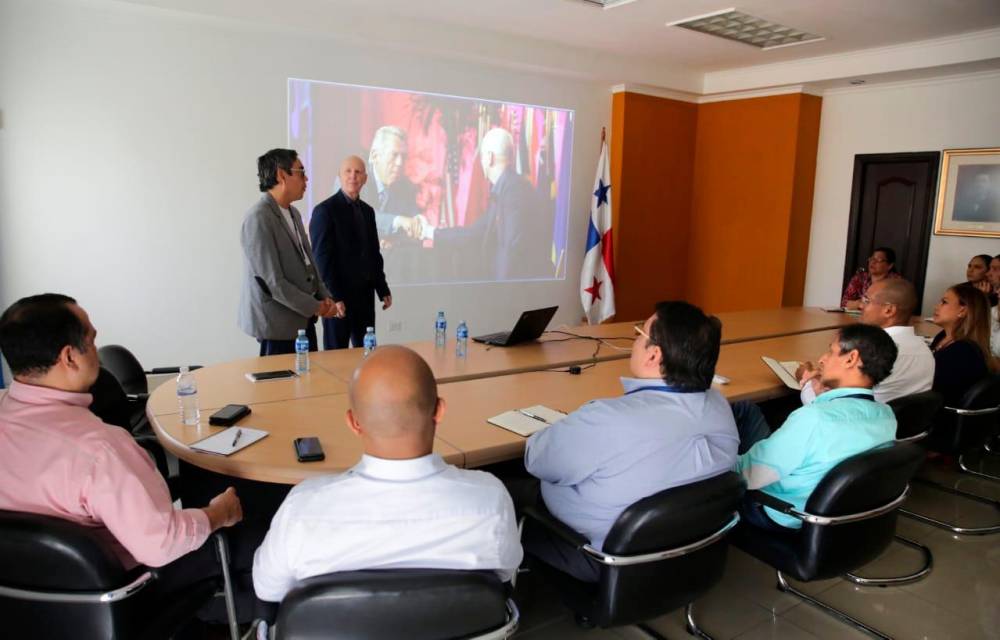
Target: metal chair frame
(656, 556)
(825, 521)
(969, 495)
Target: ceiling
(637, 29)
(630, 43)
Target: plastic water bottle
(187, 397)
(302, 353)
(440, 330)
(462, 340)
(370, 342)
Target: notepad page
(221, 443)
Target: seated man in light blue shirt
(840, 423)
(669, 429)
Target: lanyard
(860, 396)
(665, 389)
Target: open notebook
(785, 371)
(221, 443)
(527, 421)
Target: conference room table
(314, 403)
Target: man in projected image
(513, 239)
(391, 193)
(345, 241)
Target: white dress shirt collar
(408, 470)
(900, 330)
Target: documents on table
(527, 421)
(229, 441)
(785, 371)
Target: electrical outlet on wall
(395, 327)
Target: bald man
(888, 304)
(401, 506)
(513, 239)
(345, 243)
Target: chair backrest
(915, 413)
(54, 556)
(957, 433)
(861, 483)
(124, 367)
(418, 604)
(666, 520)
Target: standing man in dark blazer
(281, 290)
(345, 243)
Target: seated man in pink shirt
(58, 459)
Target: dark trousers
(203, 564)
(753, 513)
(542, 545)
(751, 425)
(340, 333)
(278, 347)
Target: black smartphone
(271, 375)
(229, 415)
(309, 450)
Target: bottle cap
(185, 369)
(302, 332)
(372, 329)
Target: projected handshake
(464, 190)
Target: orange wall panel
(652, 150)
(746, 165)
(797, 252)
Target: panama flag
(597, 288)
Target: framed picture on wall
(968, 201)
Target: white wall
(127, 160)
(959, 112)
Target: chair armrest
(788, 509)
(137, 397)
(768, 500)
(553, 525)
(664, 554)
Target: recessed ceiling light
(743, 27)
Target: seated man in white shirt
(889, 304)
(401, 506)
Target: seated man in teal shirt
(840, 423)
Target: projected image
(464, 190)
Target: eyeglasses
(639, 332)
(300, 171)
(874, 259)
(865, 300)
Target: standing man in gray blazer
(282, 293)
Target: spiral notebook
(222, 443)
(527, 421)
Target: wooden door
(892, 206)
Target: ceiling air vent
(742, 27)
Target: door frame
(861, 160)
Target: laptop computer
(529, 326)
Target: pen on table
(531, 415)
(236, 438)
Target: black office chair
(848, 521)
(915, 415)
(418, 604)
(662, 553)
(60, 580)
(125, 367)
(963, 431)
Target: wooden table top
(740, 326)
(293, 409)
(556, 349)
(470, 403)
